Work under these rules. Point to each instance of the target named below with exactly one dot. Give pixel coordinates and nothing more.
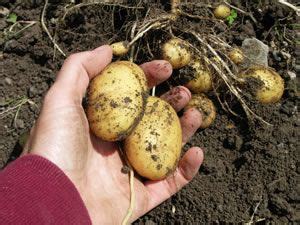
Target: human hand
(61, 135)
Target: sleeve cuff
(33, 190)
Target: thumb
(73, 78)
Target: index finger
(157, 71)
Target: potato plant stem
(153, 91)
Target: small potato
(119, 48)
(153, 148)
(176, 52)
(202, 81)
(205, 106)
(272, 87)
(116, 100)
(236, 56)
(222, 11)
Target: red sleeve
(35, 191)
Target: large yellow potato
(153, 148)
(205, 106)
(202, 81)
(116, 100)
(272, 86)
(176, 52)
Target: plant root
(47, 31)
(11, 34)
(131, 186)
(132, 196)
(229, 80)
(253, 214)
(226, 70)
(15, 105)
(235, 91)
(159, 23)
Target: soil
(251, 171)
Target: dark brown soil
(250, 169)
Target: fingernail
(163, 68)
(186, 91)
(179, 92)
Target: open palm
(62, 135)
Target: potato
(202, 81)
(205, 106)
(116, 100)
(176, 52)
(153, 148)
(120, 48)
(272, 87)
(222, 11)
(236, 56)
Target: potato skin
(203, 78)
(116, 100)
(120, 48)
(273, 84)
(205, 106)
(222, 11)
(176, 52)
(153, 148)
(236, 56)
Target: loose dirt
(250, 169)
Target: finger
(77, 70)
(188, 167)
(178, 97)
(190, 123)
(157, 71)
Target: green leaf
(233, 15)
(12, 18)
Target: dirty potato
(116, 100)
(202, 81)
(176, 52)
(120, 48)
(153, 148)
(236, 55)
(205, 106)
(272, 85)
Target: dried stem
(224, 64)
(196, 16)
(47, 31)
(29, 24)
(224, 77)
(132, 191)
(297, 9)
(254, 212)
(152, 24)
(133, 46)
(132, 197)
